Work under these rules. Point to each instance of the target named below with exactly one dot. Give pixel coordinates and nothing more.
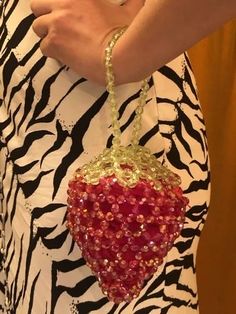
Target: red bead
(124, 233)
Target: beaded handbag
(125, 209)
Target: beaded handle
(110, 78)
(131, 163)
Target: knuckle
(34, 26)
(54, 42)
(49, 45)
(60, 21)
(32, 5)
(64, 4)
(46, 48)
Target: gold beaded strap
(112, 96)
(134, 162)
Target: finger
(41, 26)
(41, 7)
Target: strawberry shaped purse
(125, 209)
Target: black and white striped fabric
(51, 122)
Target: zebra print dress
(51, 122)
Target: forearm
(162, 30)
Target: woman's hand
(76, 32)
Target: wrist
(131, 60)
(127, 65)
